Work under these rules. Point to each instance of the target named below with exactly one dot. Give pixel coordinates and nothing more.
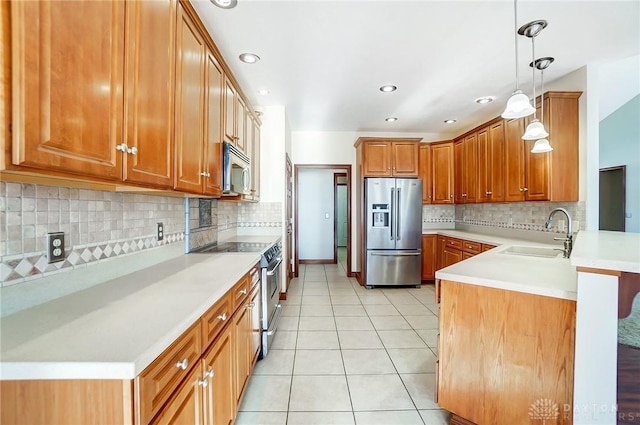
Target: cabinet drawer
(471, 247)
(214, 320)
(239, 292)
(162, 377)
(487, 247)
(454, 243)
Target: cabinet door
(241, 125)
(442, 173)
(536, 173)
(484, 166)
(429, 243)
(185, 407)
(191, 56)
(452, 256)
(229, 111)
(441, 245)
(496, 160)
(68, 100)
(219, 397)
(150, 39)
(255, 160)
(514, 161)
(242, 338)
(458, 167)
(256, 329)
(213, 127)
(424, 166)
(405, 159)
(376, 159)
(470, 168)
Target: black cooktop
(235, 247)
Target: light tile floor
(347, 355)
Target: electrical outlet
(55, 247)
(160, 231)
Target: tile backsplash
(97, 225)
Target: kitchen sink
(533, 251)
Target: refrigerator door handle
(393, 213)
(396, 254)
(397, 216)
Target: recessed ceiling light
(388, 88)
(450, 121)
(391, 119)
(263, 92)
(225, 4)
(249, 57)
(484, 99)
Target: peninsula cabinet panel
(150, 41)
(68, 90)
(44, 402)
(424, 167)
(190, 91)
(442, 166)
(508, 349)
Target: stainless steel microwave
(236, 171)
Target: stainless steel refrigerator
(393, 231)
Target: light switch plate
(55, 247)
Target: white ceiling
(325, 60)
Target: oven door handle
(273, 269)
(275, 321)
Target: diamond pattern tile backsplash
(97, 225)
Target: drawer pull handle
(243, 291)
(209, 373)
(183, 364)
(203, 382)
(251, 305)
(223, 317)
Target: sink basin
(533, 251)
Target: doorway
(289, 217)
(307, 192)
(612, 198)
(340, 217)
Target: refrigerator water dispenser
(380, 215)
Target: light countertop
(607, 250)
(116, 329)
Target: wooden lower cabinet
(242, 342)
(185, 407)
(452, 256)
(521, 343)
(219, 401)
(429, 243)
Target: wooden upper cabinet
(389, 157)
(230, 102)
(376, 159)
(424, 167)
(255, 159)
(241, 125)
(514, 161)
(149, 76)
(466, 169)
(491, 163)
(442, 172)
(68, 92)
(404, 158)
(191, 54)
(458, 167)
(214, 96)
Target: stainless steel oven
(271, 264)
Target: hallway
(347, 355)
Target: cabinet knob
(489, 193)
(243, 292)
(183, 364)
(526, 189)
(203, 174)
(521, 190)
(450, 196)
(132, 151)
(251, 305)
(203, 382)
(121, 147)
(223, 317)
(209, 374)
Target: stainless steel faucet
(568, 240)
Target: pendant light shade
(535, 130)
(541, 146)
(518, 106)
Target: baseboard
(327, 261)
(283, 296)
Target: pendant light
(542, 145)
(518, 105)
(535, 130)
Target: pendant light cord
(515, 40)
(533, 74)
(541, 95)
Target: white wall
(619, 82)
(315, 214)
